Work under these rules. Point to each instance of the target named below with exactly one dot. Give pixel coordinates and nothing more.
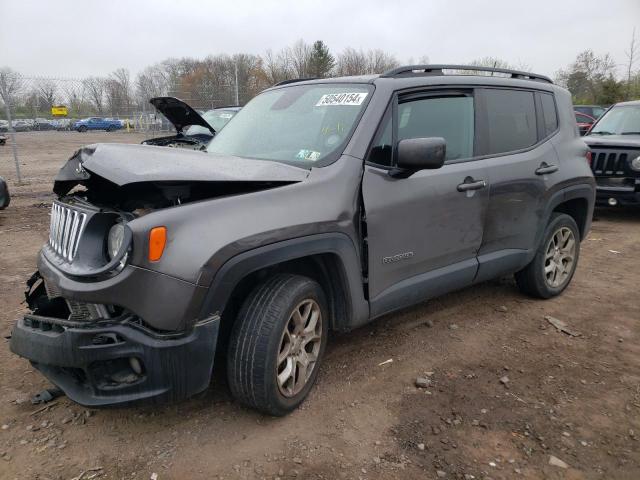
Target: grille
(66, 228)
(609, 163)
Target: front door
(424, 231)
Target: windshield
(216, 118)
(302, 125)
(620, 120)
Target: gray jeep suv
(323, 205)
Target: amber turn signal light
(157, 241)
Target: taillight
(588, 157)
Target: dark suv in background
(324, 204)
(615, 154)
(594, 111)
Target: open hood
(123, 164)
(179, 113)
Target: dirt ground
(574, 398)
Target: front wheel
(82, 129)
(277, 343)
(552, 269)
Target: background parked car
(193, 129)
(21, 126)
(4, 126)
(97, 123)
(594, 111)
(42, 124)
(5, 198)
(584, 122)
(615, 155)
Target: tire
(553, 267)
(5, 198)
(82, 129)
(264, 331)
(110, 129)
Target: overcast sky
(79, 38)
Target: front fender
(229, 275)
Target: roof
(502, 76)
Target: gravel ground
(503, 393)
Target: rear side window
(549, 113)
(511, 117)
(451, 118)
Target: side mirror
(419, 154)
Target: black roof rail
(294, 80)
(438, 70)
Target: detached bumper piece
(108, 365)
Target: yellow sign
(59, 111)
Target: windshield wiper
(630, 133)
(601, 132)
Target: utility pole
(236, 70)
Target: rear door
(522, 167)
(424, 231)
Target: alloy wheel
(299, 348)
(560, 257)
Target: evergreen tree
(321, 61)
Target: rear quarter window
(511, 120)
(549, 113)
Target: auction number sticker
(347, 98)
(310, 155)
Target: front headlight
(115, 239)
(635, 163)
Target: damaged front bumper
(135, 336)
(115, 364)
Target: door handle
(471, 184)
(544, 169)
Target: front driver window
(451, 118)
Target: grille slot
(609, 163)
(65, 230)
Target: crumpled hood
(125, 164)
(612, 140)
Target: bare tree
(300, 55)
(47, 91)
(117, 89)
(277, 67)
(631, 60)
(379, 61)
(351, 62)
(153, 81)
(586, 75)
(10, 85)
(358, 62)
(95, 90)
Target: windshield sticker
(226, 115)
(310, 155)
(353, 98)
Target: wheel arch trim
(238, 267)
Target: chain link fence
(35, 108)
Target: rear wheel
(277, 343)
(552, 269)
